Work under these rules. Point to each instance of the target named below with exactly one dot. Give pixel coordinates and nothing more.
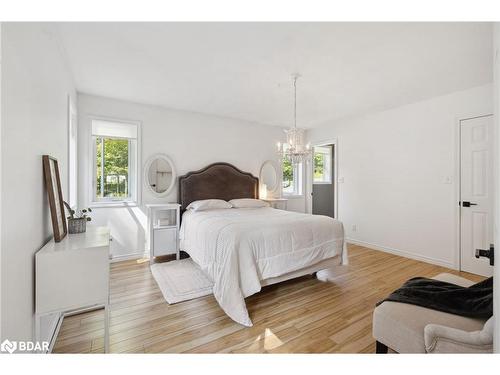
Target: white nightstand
(163, 229)
(279, 203)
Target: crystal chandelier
(293, 149)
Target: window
(115, 161)
(292, 178)
(323, 165)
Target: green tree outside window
(287, 174)
(116, 159)
(319, 165)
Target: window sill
(113, 204)
(293, 196)
(322, 183)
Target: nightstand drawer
(165, 241)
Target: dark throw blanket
(475, 301)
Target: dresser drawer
(165, 241)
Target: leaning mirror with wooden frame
(54, 193)
(159, 175)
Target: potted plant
(77, 221)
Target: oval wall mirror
(269, 176)
(159, 175)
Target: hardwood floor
(304, 315)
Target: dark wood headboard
(217, 181)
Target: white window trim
(330, 161)
(300, 170)
(72, 153)
(136, 199)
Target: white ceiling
(242, 70)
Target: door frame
(309, 197)
(458, 192)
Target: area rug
(181, 280)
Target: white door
(476, 191)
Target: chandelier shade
(294, 149)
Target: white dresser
(163, 229)
(73, 275)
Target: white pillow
(208, 204)
(248, 203)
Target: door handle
(490, 254)
(468, 204)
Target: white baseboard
(403, 253)
(130, 256)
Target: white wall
(1, 131)
(191, 140)
(496, 286)
(395, 165)
(35, 88)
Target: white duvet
(238, 247)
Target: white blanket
(238, 247)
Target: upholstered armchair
(406, 328)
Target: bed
(243, 249)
